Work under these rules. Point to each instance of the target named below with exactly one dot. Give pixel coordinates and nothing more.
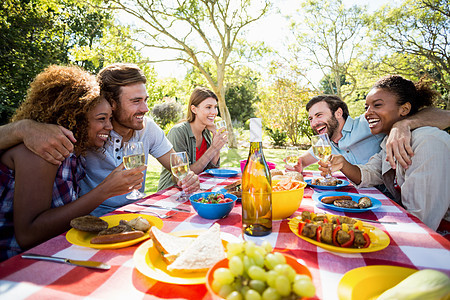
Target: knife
(81, 263)
(162, 207)
(373, 221)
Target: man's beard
(332, 126)
(123, 120)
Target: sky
(272, 29)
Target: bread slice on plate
(170, 246)
(202, 253)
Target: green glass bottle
(256, 187)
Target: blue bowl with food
(213, 205)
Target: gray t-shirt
(100, 164)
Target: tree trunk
(225, 113)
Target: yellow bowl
(285, 203)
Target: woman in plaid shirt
(37, 198)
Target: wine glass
(322, 149)
(221, 127)
(292, 155)
(179, 164)
(134, 157)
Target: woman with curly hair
(422, 188)
(37, 198)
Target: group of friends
(61, 155)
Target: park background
(263, 58)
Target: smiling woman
(197, 135)
(39, 199)
(420, 187)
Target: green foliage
(279, 137)
(327, 38)
(35, 34)
(167, 112)
(419, 28)
(240, 98)
(282, 107)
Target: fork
(150, 212)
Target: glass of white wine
(322, 149)
(134, 157)
(179, 163)
(292, 155)
(221, 127)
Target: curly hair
(62, 95)
(418, 94)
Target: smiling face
(205, 112)
(99, 119)
(322, 120)
(382, 110)
(129, 112)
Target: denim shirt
(357, 144)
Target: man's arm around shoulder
(51, 142)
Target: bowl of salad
(213, 205)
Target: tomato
(367, 238)
(318, 233)
(350, 242)
(228, 200)
(335, 231)
(300, 228)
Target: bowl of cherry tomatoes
(212, 205)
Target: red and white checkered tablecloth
(412, 245)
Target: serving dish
(369, 282)
(317, 197)
(290, 260)
(147, 260)
(378, 240)
(325, 187)
(83, 238)
(222, 172)
(213, 210)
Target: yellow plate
(367, 283)
(378, 240)
(83, 238)
(148, 261)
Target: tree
(35, 34)
(420, 28)
(329, 35)
(197, 31)
(283, 108)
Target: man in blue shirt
(352, 138)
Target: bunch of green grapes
(255, 273)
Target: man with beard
(123, 85)
(352, 138)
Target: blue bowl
(212, 211)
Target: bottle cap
(255, 130)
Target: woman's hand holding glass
(335, 163)
(221, 128)
(134, 157)
(120, 181)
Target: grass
(228, 159)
